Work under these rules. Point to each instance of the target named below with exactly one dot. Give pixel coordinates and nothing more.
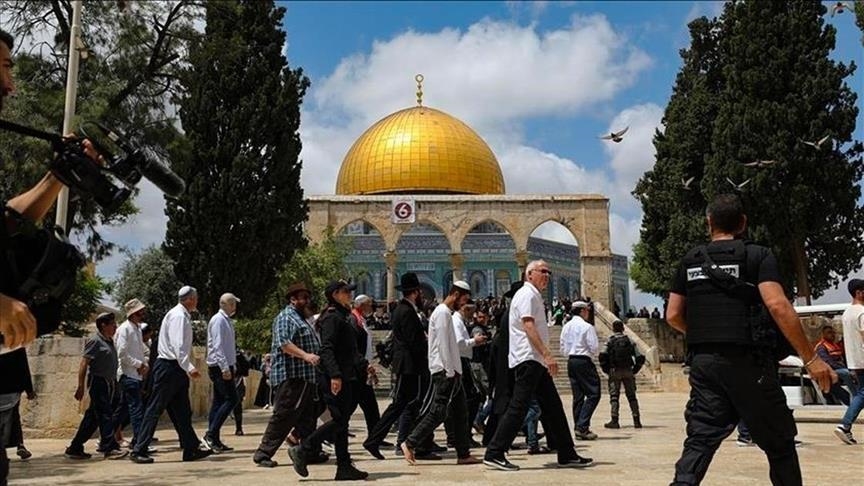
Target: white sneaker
(845, 435)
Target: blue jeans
(98, 416)
(132, 391)
(224, 400)
(531, 420)
(856, 404)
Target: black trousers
(472, 403)
(585, 386)
(533, 381)
(407, 398)
(99, 415)
(292, 401)
(171, 393)
(446, 401)
(364, 396)
(336, 429)
(240, 386)
(728, 385)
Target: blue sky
(538, 80)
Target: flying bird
(760, 163)
(738, 187)
(839, 8)
(687, 183)
(616, 136)
(816, 145)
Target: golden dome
(420, 150)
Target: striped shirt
(290, 327)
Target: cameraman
(17, 324)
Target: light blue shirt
(221, 343)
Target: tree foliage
(126, 79)
(79, 309)
(148, 276)
(241, 217)
(774, 86)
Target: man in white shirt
(171, 374)
(131, 353)
(221, 366)
(853, 340)
(447, 398)
(533, 366)
(579, 343)
(462, 319)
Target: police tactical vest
(714, 314)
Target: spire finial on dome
(419, 79)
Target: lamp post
(69, 108)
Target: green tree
(148, 276)
(79, 309)
(673, 215)
(769, 84)
(781, 87)
(241, 216)
(127, 78)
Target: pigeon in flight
(839, 8)
(616, 136)
(738, 187)
(760, 163)
(816, 145)
(687, 183)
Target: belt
(580, 356)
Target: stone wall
(54, 362)
(657, 332)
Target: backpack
(621, 352)
(384, 351)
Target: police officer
(733, 374)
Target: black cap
(337, 285)
(855, 285)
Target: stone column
(456, 263)
(522, 261)
(597, 279)
(390, 260)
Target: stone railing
(54, 362)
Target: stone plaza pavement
(622, 457)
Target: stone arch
(407, 229)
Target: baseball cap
(338, 285)
(228, 296)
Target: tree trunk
(802, 284)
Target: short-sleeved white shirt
(527, 302)
(853, 326)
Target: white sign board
(403, 210)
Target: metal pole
(69, 110)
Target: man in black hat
(410, 366)
(341, 365)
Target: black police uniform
(733, 374)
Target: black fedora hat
(514, 287)
(408, 282)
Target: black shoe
(76, 454)
(473, 444)
(501, 464)
(374, 451)
(23, 453)
(195, 454)
(223, 448)
(239, 432)
(116, 453)
(348, 472)
(437, 448)
(384, 443)
(539, 450)
(637, 423)
(140, 458)
(576, 461)
(319, 458)
(612, 424)
(299, 461)
(212, 444)
(263, 460)
(427, 456)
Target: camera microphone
(160, 175)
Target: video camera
(42, 264)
